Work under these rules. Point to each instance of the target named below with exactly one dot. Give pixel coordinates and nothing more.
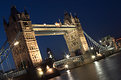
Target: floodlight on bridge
(44, 23)
(16, 43)
(93, 56)
(100, 41)
(91, 48)
(66, 66)
(40, 72)
(67, 56)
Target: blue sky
(99, 18)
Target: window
(25, 23)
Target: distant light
(100, 41)
(68, 71)
(57, 24)
(54, 66)
(66, 66)
(99, 54)
(48, 52)
(16, 43)
(91, 48)
(39, 69)
(50, 70)
(93, 57)
(40, 72)
(47, 67)
(67, 25)
(67, 56)
(44, 23)
(50, 56)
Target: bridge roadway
(48, 29)
(12, 74)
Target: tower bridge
(26, 53)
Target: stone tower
(75, 39)
(19, 28)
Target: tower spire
(25, 11)
(14, 10)
(72, 19)
(71, 15)
(5, 22)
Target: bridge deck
(51, 25)
(41, 30)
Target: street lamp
(91, 48)
(93, 56)
(44, 24)
(100, 41)
(66, 66)
(40, 72)
(16, 43)
(67, 56)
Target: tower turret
(67, 18)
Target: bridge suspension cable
(93, 41)
(5, 51)
(3, 47)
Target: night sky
(99, 18)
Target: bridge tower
(26, 53)
(75, 39)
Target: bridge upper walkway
(42, 29)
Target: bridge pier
(72, 41)
(75, 39)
